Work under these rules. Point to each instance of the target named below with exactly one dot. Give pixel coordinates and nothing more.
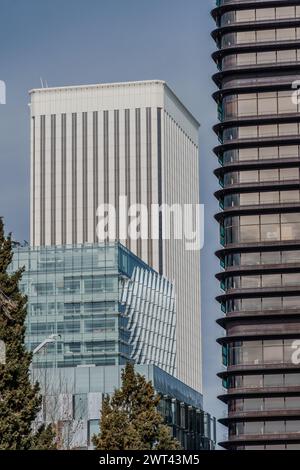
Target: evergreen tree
(130, 420)
(19, 399)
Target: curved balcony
(258, 164)
(253, 142)
(262, 368)
(249, 293)
(234, 67)
(258, 46)
(236, 121)
(267, 22)
(254, 25)
(257, 439)
(255, 2)
(254, 208)
(260, 392)
(259, 269)
(247, 247)
(257, 315)
(276, 208)
(267, 329)
(241, 188)
(227, 5)
(255, 47)
(254, 85)
(259, 415)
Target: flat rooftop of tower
(115, 85)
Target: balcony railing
(220, 3)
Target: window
(274, 403)
(93, 428)
(270, 303)
(292, 403)
(263, 228)
(291, 302)
(253, 404)
(273, 351)
(265, 14)
(42, 329)
(70, 286)
(42, 288)
(245, 16)
(266, 153)
(99, 346)
(285, 12)
(271, 257)
(289, 174)
(71, 348)
(72, 308)
(267, 104)
(269, 197)
(271, 280)
(252, 352)
(266, 57)
(246, 59)
(267, 35)
(253, 428)
(68, 326)
(286, 105)
(80, 406)
(245, 37)
(247, 106)
(272, 380)
(293, 426)
(292, 379)
(272, 427)
(96, 283)
(252, 381)
(250, 258)
(98, 325)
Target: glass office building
(102, 304)
(91, 309)
(74, 397)
(259, 158)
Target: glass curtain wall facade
(259, 158)
(149, 301)
(80, 295)
(74, 399)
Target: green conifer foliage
(130, 420)
(19, 399)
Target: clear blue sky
(79, 42)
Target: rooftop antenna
(42, 82)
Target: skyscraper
(93, 144)
(259, 155)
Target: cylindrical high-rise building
(258, 59)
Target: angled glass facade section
(149, 301)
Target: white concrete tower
(92, 144)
